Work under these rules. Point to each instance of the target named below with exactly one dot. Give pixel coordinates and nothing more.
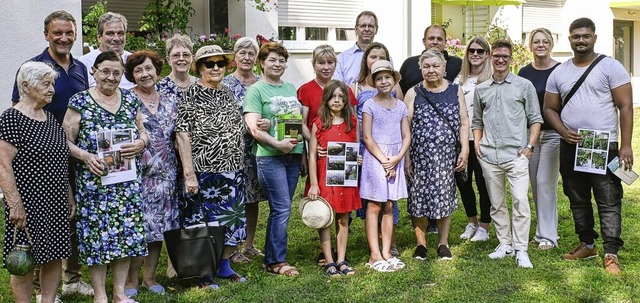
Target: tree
(90, 21)
(162, 16)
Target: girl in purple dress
(385, 129)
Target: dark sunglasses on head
(219, 63)
(478, 51)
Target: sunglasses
(219, 63)
(478, 51)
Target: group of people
(205, 148)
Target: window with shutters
(303, 28)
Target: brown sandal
(282, 269)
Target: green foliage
(263, 5)
(90, 22)
(521, 53)
(166, 16)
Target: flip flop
(155, 288)
(282, 269)
(381, 266)
(130, 292)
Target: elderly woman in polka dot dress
(33, 177)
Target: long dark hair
(364, 69)
(325, 113)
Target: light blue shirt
(348, 66)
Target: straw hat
(379, 66)
(317, 213)
(210, 51)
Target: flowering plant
(454, 47)
(225, 41)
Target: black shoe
(444, 253)
(420, 253)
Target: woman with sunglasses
(210, 136)
(544, 163)
(476, 68)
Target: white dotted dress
(40, 168)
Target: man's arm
(622, 97)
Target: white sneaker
(469, 231)
(501, 251)
(481, 235)
(522, 259)
(77, 288)
(39, 298)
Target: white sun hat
(317, 213)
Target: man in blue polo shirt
(60, 32)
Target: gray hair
(246, 42)
(110, 17)
(180, 41)
(33, 72)
(432, 53)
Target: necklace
(182, 87)
(103, 98)
(148, 98)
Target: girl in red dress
(336, 122)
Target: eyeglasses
(503, 57)
(479, 51)
(366, 26)
(246, 54)
(211, 64)
(176, 56)
(106, 73)
(583, 37)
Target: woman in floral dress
(432, 154)
(246, 53)
(159, 112)
(109, 217)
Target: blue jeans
(278, 176)
(607, 191)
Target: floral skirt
(220, 199)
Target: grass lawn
(470, 277)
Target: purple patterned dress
(159, 166)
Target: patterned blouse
(212, 118)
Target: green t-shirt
(269, 101)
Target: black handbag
(195, 252)
(461, 176)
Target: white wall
(22, 30)
(394, 32)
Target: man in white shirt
(112, 36)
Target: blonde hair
(547, 34)
(323, 51)
(485, 74)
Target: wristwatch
(531, 147)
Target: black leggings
(467, 194)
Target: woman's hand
(359, 159)
(314, 192)
(286, 145)
(94, 164)
(390, 173)
(131, 150)
(17, 216)
(263, 124)
(461, 164)
(391, 162)
(191, 184)
(322, 152)
(72, 207)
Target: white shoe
(469, 231)
(481, 235)
(77, 288)
(501, 251)
(522, 259)
(39, 298)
